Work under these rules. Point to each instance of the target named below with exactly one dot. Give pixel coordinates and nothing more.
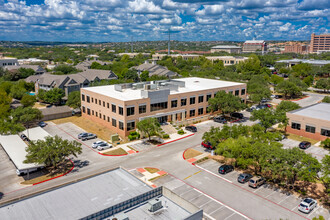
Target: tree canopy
(53, 96)
(28, 100)
(74, 100)
(225, 102)
(148, 126)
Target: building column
(174, 117)
(183, 116)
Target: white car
(104, 146)
(97, 143)
(307, 205)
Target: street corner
(150, 174)
(194, 156)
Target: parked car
(104, 146)
(88, 136)
(265, 100)
(237, 115)
(82, 135)
(207, 145)
(244, 177)
(256, 181)
(223, 169)
(220, 120)
(24, 138)
(191, 128)
(304, 145)
(42, 124)
(268, 105)
(280, 137)
(97, 143)
(307, 205)
(258, 107)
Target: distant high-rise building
(320, 43)
(296, 48)
(251, 46)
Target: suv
(191, 128)
(256, 181)
(304, 145)
(207, 145)
(42, 124)
(244, 177)
(220, 120)
(237, 115)
(307, 205)
(225, 169)
(88, 136)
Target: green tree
(65, 69)
(302, 69)
(26, 116)
(149, 126)
(288, 89)
(325, 178)
(6, 86)
(41, 94)
(276, 79)
(258, 89)
(144, 76)
(8, 126)
(54, 96)
(225, 102)
(52, 151)
(298, 82)
(28, 100)
(17, 91)
(74, 100)
(326, 143)
(286, 106)
(267, 117)
(5, 101)
(326, 99)
(25, 72)
(323, 84)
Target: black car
(237, 115)
(225, 169)
(191, 128)
(24, 138)
(304, 145)
(244, 177)
(220, 120)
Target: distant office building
(228, 60)
(8, 61)
(226, 48)
(320, 43)
(252, 46)
(293, 62)
(296, 48)
(32, 61)
(159, 56)
(132, 55)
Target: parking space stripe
(208, 216)
(217, 210)
(206, 202)
(283, 199)
(230, 216)
(271, 194)
(194, 198)
(313, 211)
(213, 174)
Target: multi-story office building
(8, 61)
(226, 48)
(120, 107)
(251, 46)
(319, 43)
(296, 48)
(227, 60)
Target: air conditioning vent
(155, 205)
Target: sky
(145, 20)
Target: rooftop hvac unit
(155, 205)
(120, 216)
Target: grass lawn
(88, 125)
(151, 169)
(118, 151)
(190, 153)
(300, 138)
(39, 105)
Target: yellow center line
(187, 177)
(192, 175)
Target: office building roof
(317, 111)
(315, 62)
(254, 42)
(192, 84)
(226, 47)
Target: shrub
(326, 143)
(165, 136)
(181, 132)
(133, 135)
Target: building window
(108, 106)
(84, 109)
(310, 129)
(130, 125)
(88, 111)
(120, 110)
(88, 99)
(192, 113)
(183, 102)
(237, 92)
(95, 101)
(83, 97)
(158, 106)
(121, 125)
(174, 103)
(96, 114)
(103, 103)
(114, 122)
(295, 126)
(208, 97)
(243, 92)
(325, 132)
(108, 119)
(99, 102)
(142, 109)
(92, 99)
(130, 111)
(200, 111)
(92, 112)
(200, 98)
(113, 108)
(100, 115)
(192, 100)
(104, 117)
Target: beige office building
(320, 43)
(228, 60)
(252, 46)
(226, 48)
(119, 107)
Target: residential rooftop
(317, 111)
(129, 92)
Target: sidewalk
(148, 177)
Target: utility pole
(131, 44)
(169, 42)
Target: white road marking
(313, 211)
(217, 210)
(208, 216)
(213, 174)
(257, 189)
(283, 199)
(185, 192)
(295, 207)
(206, 203)
(194, 197)
(271, 194)
(229, 216)
(93, 198)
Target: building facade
(120, 107)
(227, 60)
(252, 46)
(320, 43)
(8, 61)
(226, 48)
(296, 48)
(160, 56)
(311, 122)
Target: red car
(207, 145)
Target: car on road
(42, 124)
(223, 169)
(191, 128)
(97, 143)
(256, 181)
(104, 146)
(304, 145)
(220, 119)
(207, 145)
(307, 205)
(244, 177)
(237, 115)
(88, 136)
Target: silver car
(307, 205)
(97, 143)
(104, 146)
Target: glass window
(295, 126)
(237, 92)
(108, 105)
(231, 92)
(104, 117)
(200, 98)
(121, 125)
(192, 113)
(142, 109)
(174, 103)
(88, 99)
(113, 108)
(83, 97)
(88, 111)
(100, 115)
(243, 92)
(96, 114)
(158, 106)
(92, 112)
(95, 101)
(215, 94)
(120, 110)
(99, 102)
(208, 97)
(192, 100)
(130, 111)
(92, 99)
(108, 119)
(114, 122)
(103, 103)
(183, 102)
(200, 111)
(325, 132)
(310, 129)
(84, 109)
(130, 125)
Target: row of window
(310, 129)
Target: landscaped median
(120, 150)
(194, 156)
(151, 174)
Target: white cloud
(285, 27)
